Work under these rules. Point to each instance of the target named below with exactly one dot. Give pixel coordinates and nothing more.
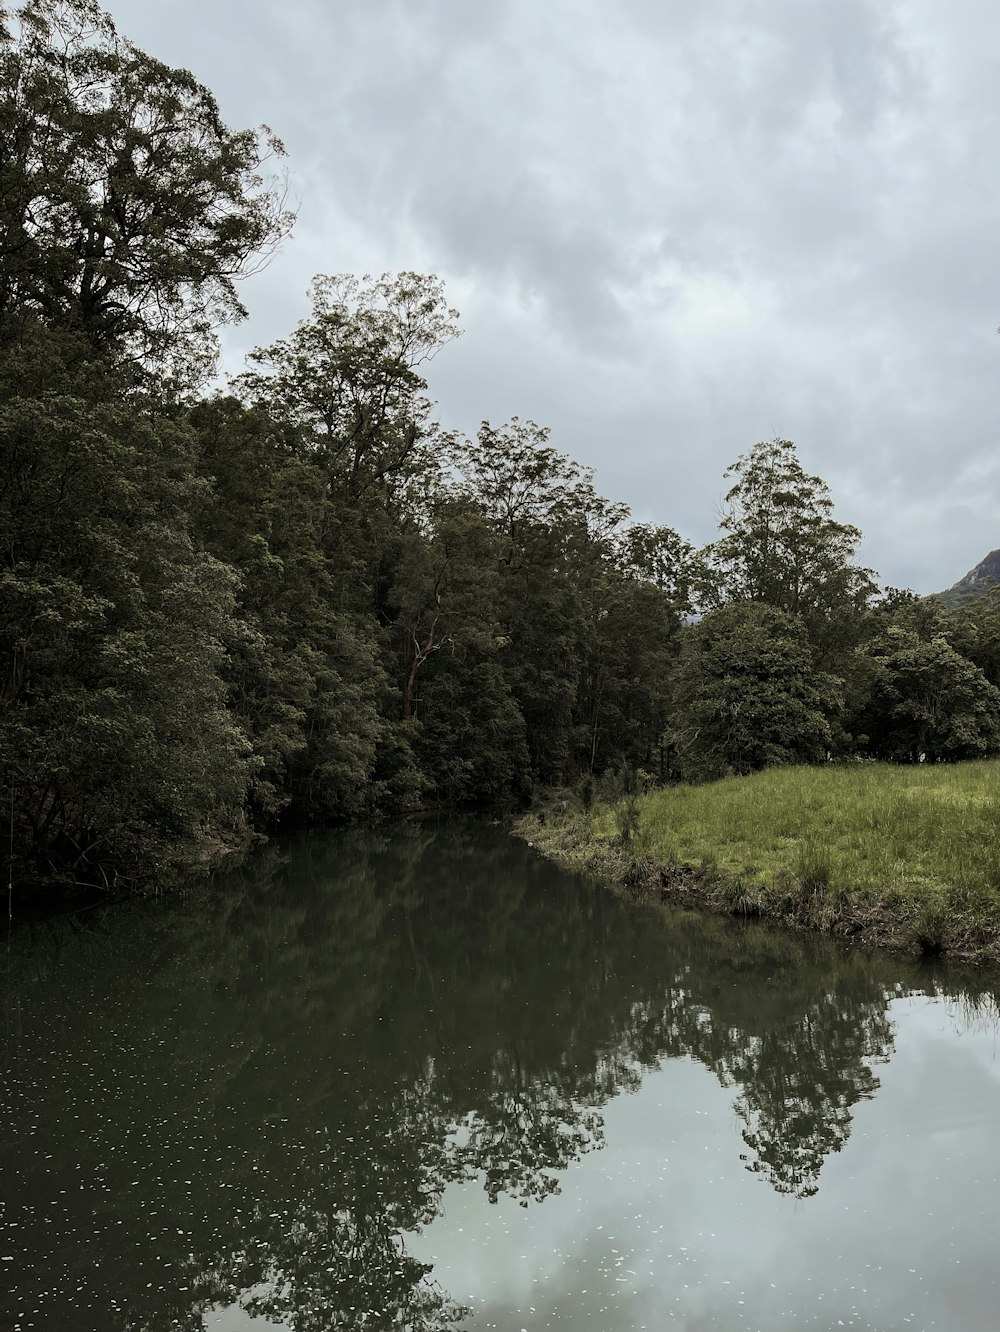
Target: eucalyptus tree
(637, 617)
(350, 376)
(356, 458)
(447, 589)
(128, 212)
(782, 547)
(623, 695)
(536, 499)
(589, 605)
(549, 526)
(347, 389)
(308, 667)
(128, 209)
(653, 553)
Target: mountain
(985, 575)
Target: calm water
(416, 1078)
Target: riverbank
(899, 857)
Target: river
(415, 1077)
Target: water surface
(416, 1078)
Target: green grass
(906, 855)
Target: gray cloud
(672, 229)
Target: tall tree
(349, 376)
(128, 209)
(783, 547)
(973, 629)
(119, 754)
(547, 521)
(446, 589)
(659, 555)
(307, 667)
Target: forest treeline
(303, 598)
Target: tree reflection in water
(268, 1086)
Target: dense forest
(304, 599)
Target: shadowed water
(415, 1078)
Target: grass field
(906, 856)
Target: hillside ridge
(979, 579)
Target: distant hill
(985, 575)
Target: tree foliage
(128, 209)
(349, 375)
(747, 695)
(119, 750)
(927, 702)
(781, 546)
(306, 600)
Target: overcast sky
(672, 229)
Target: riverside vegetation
(304, 600)
(907, 857)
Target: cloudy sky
(672, 229)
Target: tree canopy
(307, 599)
(128, 209)
(747, 695)
(781, 546)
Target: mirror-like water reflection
(378, 1080)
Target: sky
(672, 229)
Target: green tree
(346, 394)
(925, 700)
(553, 541)
(119, 752)
(536, 504)
(747, 694)
(306, 665)
(631, 644)
(446, 589)
(128, 209)
(973, 629)
(658, 555)
(783, 547)
(589, 606)
(349, 375)
(472, 739)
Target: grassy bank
(906, 857)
